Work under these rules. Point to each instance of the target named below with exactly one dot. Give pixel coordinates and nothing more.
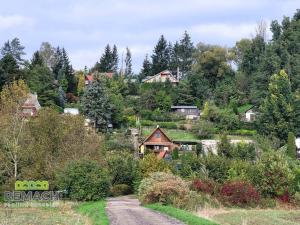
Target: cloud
(12, 21)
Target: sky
(84, 27)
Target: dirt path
(126, 210)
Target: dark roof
(184, 107)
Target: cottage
(31, 106)
(190, 112)
(161, 77)
(158, 142)
(250, 114)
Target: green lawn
(95, 211)
(258, 217)
(173, 134)
(42, 216)
(182, 215)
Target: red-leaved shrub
(285, 198)
(239, 193)
(206, 186)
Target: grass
(41, 216)
(182, 215)
(257, 217)
(174, 134)
(95, 211)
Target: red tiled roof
(89, 77)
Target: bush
(84, 180)
(243, 151)
(122, 167)
(204, 129)
(217, 167)
(206, 186)
(274, 176)
(120, 189)
(167, 125)
(239, 193)
(162, 188)
(190, 165)
(151, 164)
(243, 132)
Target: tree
(47, 52)
(9, 70)
(15, 49)
(186, 49)
(128, 63)
(12, 130)
(96, 104)
(115, 59)
(199, 149)
(277, 113)
(160, 56)
(69, 73)
(291, 145)
(106, 61)
(146, 69)
(224, 146)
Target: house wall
(186, 112)
(155, 138)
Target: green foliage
(274, 175)
(291, 145)
(160, 56)
(96, 104)
(84, 180)
(277, 113)
(190, 165)
(175, 154)
(199, 149)
(95, 211)
(120, 189)
(122, 168)
(224, 146)
(151, 164)
(243, 151)
(182, 215)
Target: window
(157, 135)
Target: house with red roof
(90, 77)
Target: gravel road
(126, 210)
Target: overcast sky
(84, 27)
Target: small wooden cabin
(157, 141)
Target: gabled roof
(165, 72)
(153, 132)
(183, 107)
(32, 101)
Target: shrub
(204, 129)
(84, 180)
(175, 154)
(217, 167)
(224, 146)
(239, 193)
(291, 145)
(121, 167)
(151, 164)
(239, 170)
(243, 132)
(190, 165)
(163, 188)
(120, 189)
(243, 151)
(274, 177)
(297, 198)
(206, 186)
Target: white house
(250, 114)
(161, 77)
(71, 111)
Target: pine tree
(69, 73)
(105, 63)
(37, 59)
(9, 70)
(175, 57)
(277, 113)
(96, 104)
(15, 49)
(115, 59)
(160, 56)
(146, 69)
(186, 49)
(58, 65)
(128, 63)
